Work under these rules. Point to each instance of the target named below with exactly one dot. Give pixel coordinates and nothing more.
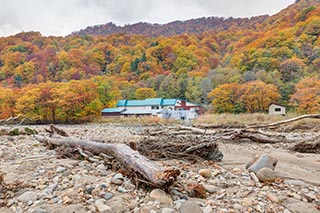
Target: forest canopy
(238, 68)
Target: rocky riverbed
(52, 184)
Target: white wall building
(276, 109)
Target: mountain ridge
(199, 25)
(178, 27)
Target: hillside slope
(280, 51)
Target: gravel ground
(51, 184)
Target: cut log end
(167, 177)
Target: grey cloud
(61, 17)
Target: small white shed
(276, 109)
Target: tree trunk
(130, 158)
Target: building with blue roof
(151, 106)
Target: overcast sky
(61, 17)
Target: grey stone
(117, 204)
(76, 178)
(274, 198)
(248, 202)
(101, 167)
(89, 189)
(207, 209)
(101, 207)
(10, 202)
(29, 195)
(211, 189)
(74, 208)
(266, 175)
(237, 206)
(161, 196)
(60, 169)
(118, 176)
(260, 162)
(117, 179)
(103, 173)
(190, 207)
(66, 173)
(294, 182)
(50, 188)
(108, 196)
(40, 211)
(121, 189)
(167, 210)
(6, 210)
(5, 154)
(129, 186)
(133, 204)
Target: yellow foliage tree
(143, 93)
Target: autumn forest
(231, 65)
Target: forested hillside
(239, 65)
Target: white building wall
(191, 104)
(138, 108)
(275, 109)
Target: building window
(155, 107)
(277, 109)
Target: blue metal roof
(147, 102)
(153, 101)
(121, 103)
(169, 102)
(112, 110)
(135, 103)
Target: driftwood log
(17, 120)
(290, 120)
(153, 173)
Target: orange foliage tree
(256, 96)
(253, 96)
(225, 98)
(306, 97)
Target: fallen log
(18, 120)
(260, 137)
(315, 116)
(153, 173)
(307, 147)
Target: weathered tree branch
(130, 158)
(316, 116)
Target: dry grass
(237, 119)
(242, 120)
(221, 120)
(137, 121)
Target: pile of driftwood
(201, 142)
(182, 142)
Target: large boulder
(261, 162)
